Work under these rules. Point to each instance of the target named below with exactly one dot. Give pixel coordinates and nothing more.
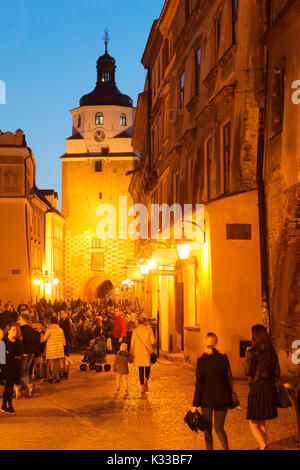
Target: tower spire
(106, 38)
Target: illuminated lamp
(184, 251)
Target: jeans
(116, 345)
(26, 363)
(219, 420)
(8, 392)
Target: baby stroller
(96, 356)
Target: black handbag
(153, 358)
(195, 421)
(282, 397)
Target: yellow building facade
(26, 237)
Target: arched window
(79, 121)
(99, 119)
(123, 120)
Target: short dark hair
(212, 335)
(54, 320)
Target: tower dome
(106, 91)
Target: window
(235, 6)
(226, 154)
(98, 166)
(218, 35)
(79, 121)
(197, 68)
(278, 97)
(105, 76)
(123, 119)
(100, 195)
(97, 261)
(209, 155)
(99, 119)
(187, 9)
(181, 97)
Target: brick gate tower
(94, 172)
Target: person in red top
(119, 331)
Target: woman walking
(263, 370)
(142, 341)
(213, 390)
(12, 368)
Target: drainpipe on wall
(263, 233)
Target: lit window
(123, 120)
(99, 119)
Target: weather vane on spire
(106, 38)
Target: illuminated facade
(95, 172)
(26, 212)
(197, 132)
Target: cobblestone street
(82, 413)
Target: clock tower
(96, 170)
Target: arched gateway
(98, 287)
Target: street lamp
(183, 251)
(144, 267)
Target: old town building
(197, 133)
(281, 174)
(27, 214)
(96, 171)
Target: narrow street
(82, 414)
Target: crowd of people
(36, 341)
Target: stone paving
(82, 413)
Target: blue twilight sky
(48, 54)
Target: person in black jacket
(262, 368)
(65, 325)
(13, 347)
(213, 390)
(30, 350)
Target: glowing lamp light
(151, 264)
(48, 289)
(184, 251)
(144, 268)
(37, 282)
(56, 282)
(128, 282)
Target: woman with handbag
(142, 341)
(262, 368)
(213, 390)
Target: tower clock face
(99, 135)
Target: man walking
(119, 331)
(30, 350)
